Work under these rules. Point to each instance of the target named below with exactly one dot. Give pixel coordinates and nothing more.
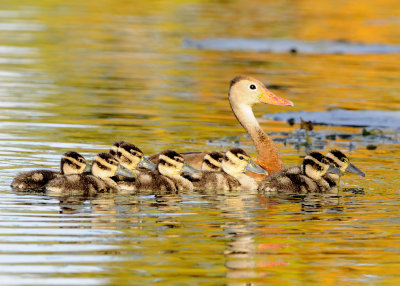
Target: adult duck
(244, 92)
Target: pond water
(79, 75)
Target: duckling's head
(129, 155)
(72, 163)
(315, 165)
(114, 148)
(104, 165)
(248, 91)
(212, 161)
(339, 160)
(170, 163)
(235, 161)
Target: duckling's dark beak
(88, 168)
(253, 167)
(353, 169)
(189, 169)
(268, 97)
(334, 170)
(122, 171)
(147, 164)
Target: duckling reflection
(71, 163)
(99, 180)
(308, 180)
(339, 160)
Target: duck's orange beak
(268, 97)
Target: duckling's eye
(133, 153)
(253, 86)
(241, 157)
(220, 160)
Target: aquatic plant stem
(338, 185)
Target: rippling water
(79, 75)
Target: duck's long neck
(268, 154)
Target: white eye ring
(253, 86)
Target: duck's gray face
(72, 163)
(212, 162)
(248, 90)
(235, 161)
(170, 163)
(104, 165)
(129, 156)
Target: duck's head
(72, 163)
(339, 160)
(212, 161)
(129, 155)
(315, 165)
(170, 163)
(104, 165)
(235, 161)
(114, 148)
(248, 91)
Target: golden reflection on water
(82, 74)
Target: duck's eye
(241, 157)
(220, 160)
(253, 86)
(133, 153)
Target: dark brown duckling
(339, 160)
(71, 163)
(307, 178)
(232, 176)
(100, 180)
(167, 177)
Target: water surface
(79, 75)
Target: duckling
(339, 160)
(236, 163)
(71, 163)
(212, 161)
(231, 177)
(170, 165)
(131, 158)
(167, 177)
(99, 180)
(308, 180)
